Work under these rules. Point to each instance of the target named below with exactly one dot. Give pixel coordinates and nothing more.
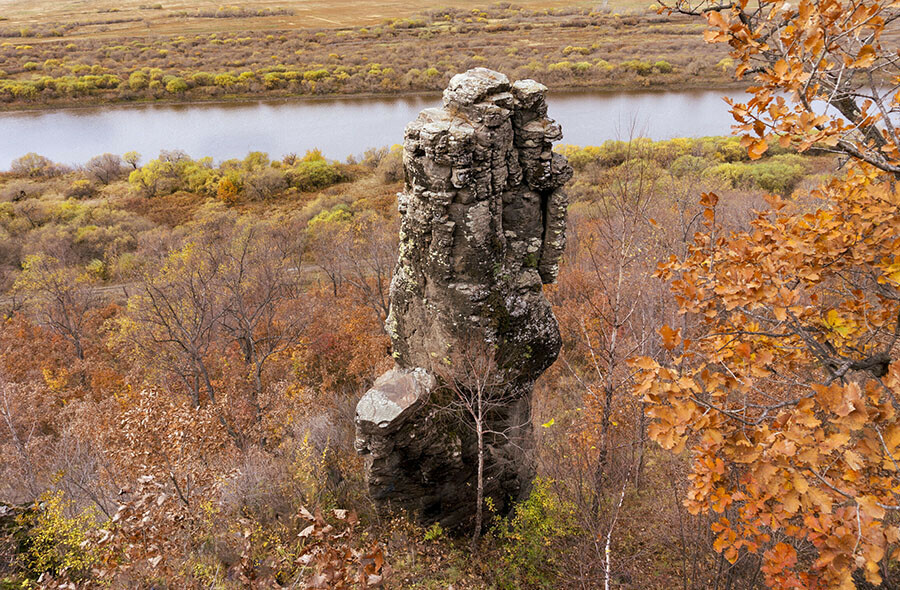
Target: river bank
(244, 99)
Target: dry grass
(162, 17)
(572, 47)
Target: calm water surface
(339, 127)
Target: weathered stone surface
(483, 220)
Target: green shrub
(579, 50)
(642, 68)
(203, 79)
(663, 67)
(313, 175)
(225, 80)
(531, 537)
(562, 66)
(167, 174)
(176, 86)
(779, 174)
(138, 80)
(688, 165)
(582, 67)
(578, 156)
(313, 75)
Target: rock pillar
(483, 220)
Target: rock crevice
(483, 219)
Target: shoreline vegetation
(572, 48)
(234, 100)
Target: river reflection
(339, 127)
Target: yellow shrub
(56, 542)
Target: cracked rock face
(483, 219)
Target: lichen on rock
(483, 219)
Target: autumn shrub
(779, 174)
(81, 189)
(176, 86)
(227, 190)
(688, 165)
(640, 67)
(390, 167)
(174, 171)
(313, 174)
(264, 183)
(532, 539)
(203, 78)
(579, 156)
(36, 166)
(663, 67)
(579, 50)
(55, 543)
(138, 80)
(18, 190)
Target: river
(339, 127)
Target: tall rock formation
(483, 220)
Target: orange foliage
(344, 348)
(787, 389)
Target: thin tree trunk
(607, 566)
(603, 460)
(480, 487)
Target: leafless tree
(105, 169)
(20, 430)
(174, 315)
(368, 255)
(259, 284)
(58, 296)
(476, 391)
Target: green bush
(688, 165)
(313, 75)
(203, 79)
(531, 537)
(582, 67)
(138, 80)
(579, 50)
(176, 86)
(642, 68)
(779, 174)
(225, 80)
(663, 67)
(578, 156)
(313, 175)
